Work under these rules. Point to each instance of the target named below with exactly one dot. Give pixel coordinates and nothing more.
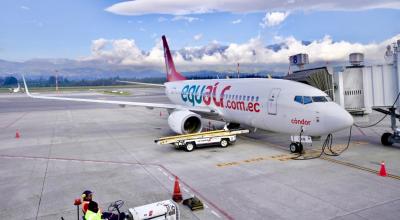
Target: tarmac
(67, 147)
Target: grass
(116, 92)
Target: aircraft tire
(296, 148)
(386, 139)
(300, 148)
(293, 147)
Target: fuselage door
(273, 101)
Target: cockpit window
(310, 99)
(319, 99)
(299, 99)
(328, 98)
(307, 100)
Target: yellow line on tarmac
(357, 167)
(314, 152)
(280, 157)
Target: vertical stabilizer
(172, 74)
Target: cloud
(252, 53)
(237, 21)
(161, 19)
(273, 19)
(36, 23)
(197, 37)
(185, 18)
(23, 7)
(177, 7)
(122, 52)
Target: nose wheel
(296, 147)
(386, 139)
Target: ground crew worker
(87, 196)
(93, 212)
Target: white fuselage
(267, 104)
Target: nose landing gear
(296, 147)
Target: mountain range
(95, 69)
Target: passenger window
(307, 100)
(299, 99)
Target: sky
(129, 32)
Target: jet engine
(184, 122)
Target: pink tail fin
(172, 74)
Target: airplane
(15, 90)
(275, 105)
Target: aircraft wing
(142, 104)
(142, 83)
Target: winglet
(26, 87)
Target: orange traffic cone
(17, 134)
(382, 172)
(177, 195)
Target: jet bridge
(317, 77)
(361, 89)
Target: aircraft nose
(338, 119)
(349, 120)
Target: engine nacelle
(185, 122)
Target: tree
(51, 81)
(10, 80)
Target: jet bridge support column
(393, 118)
(396, 132)
(397, 69)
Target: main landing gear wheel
(224, 143)
(190, 146)
(386, 139)
(296, 147)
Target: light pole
(57, 81)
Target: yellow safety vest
(92, 216)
